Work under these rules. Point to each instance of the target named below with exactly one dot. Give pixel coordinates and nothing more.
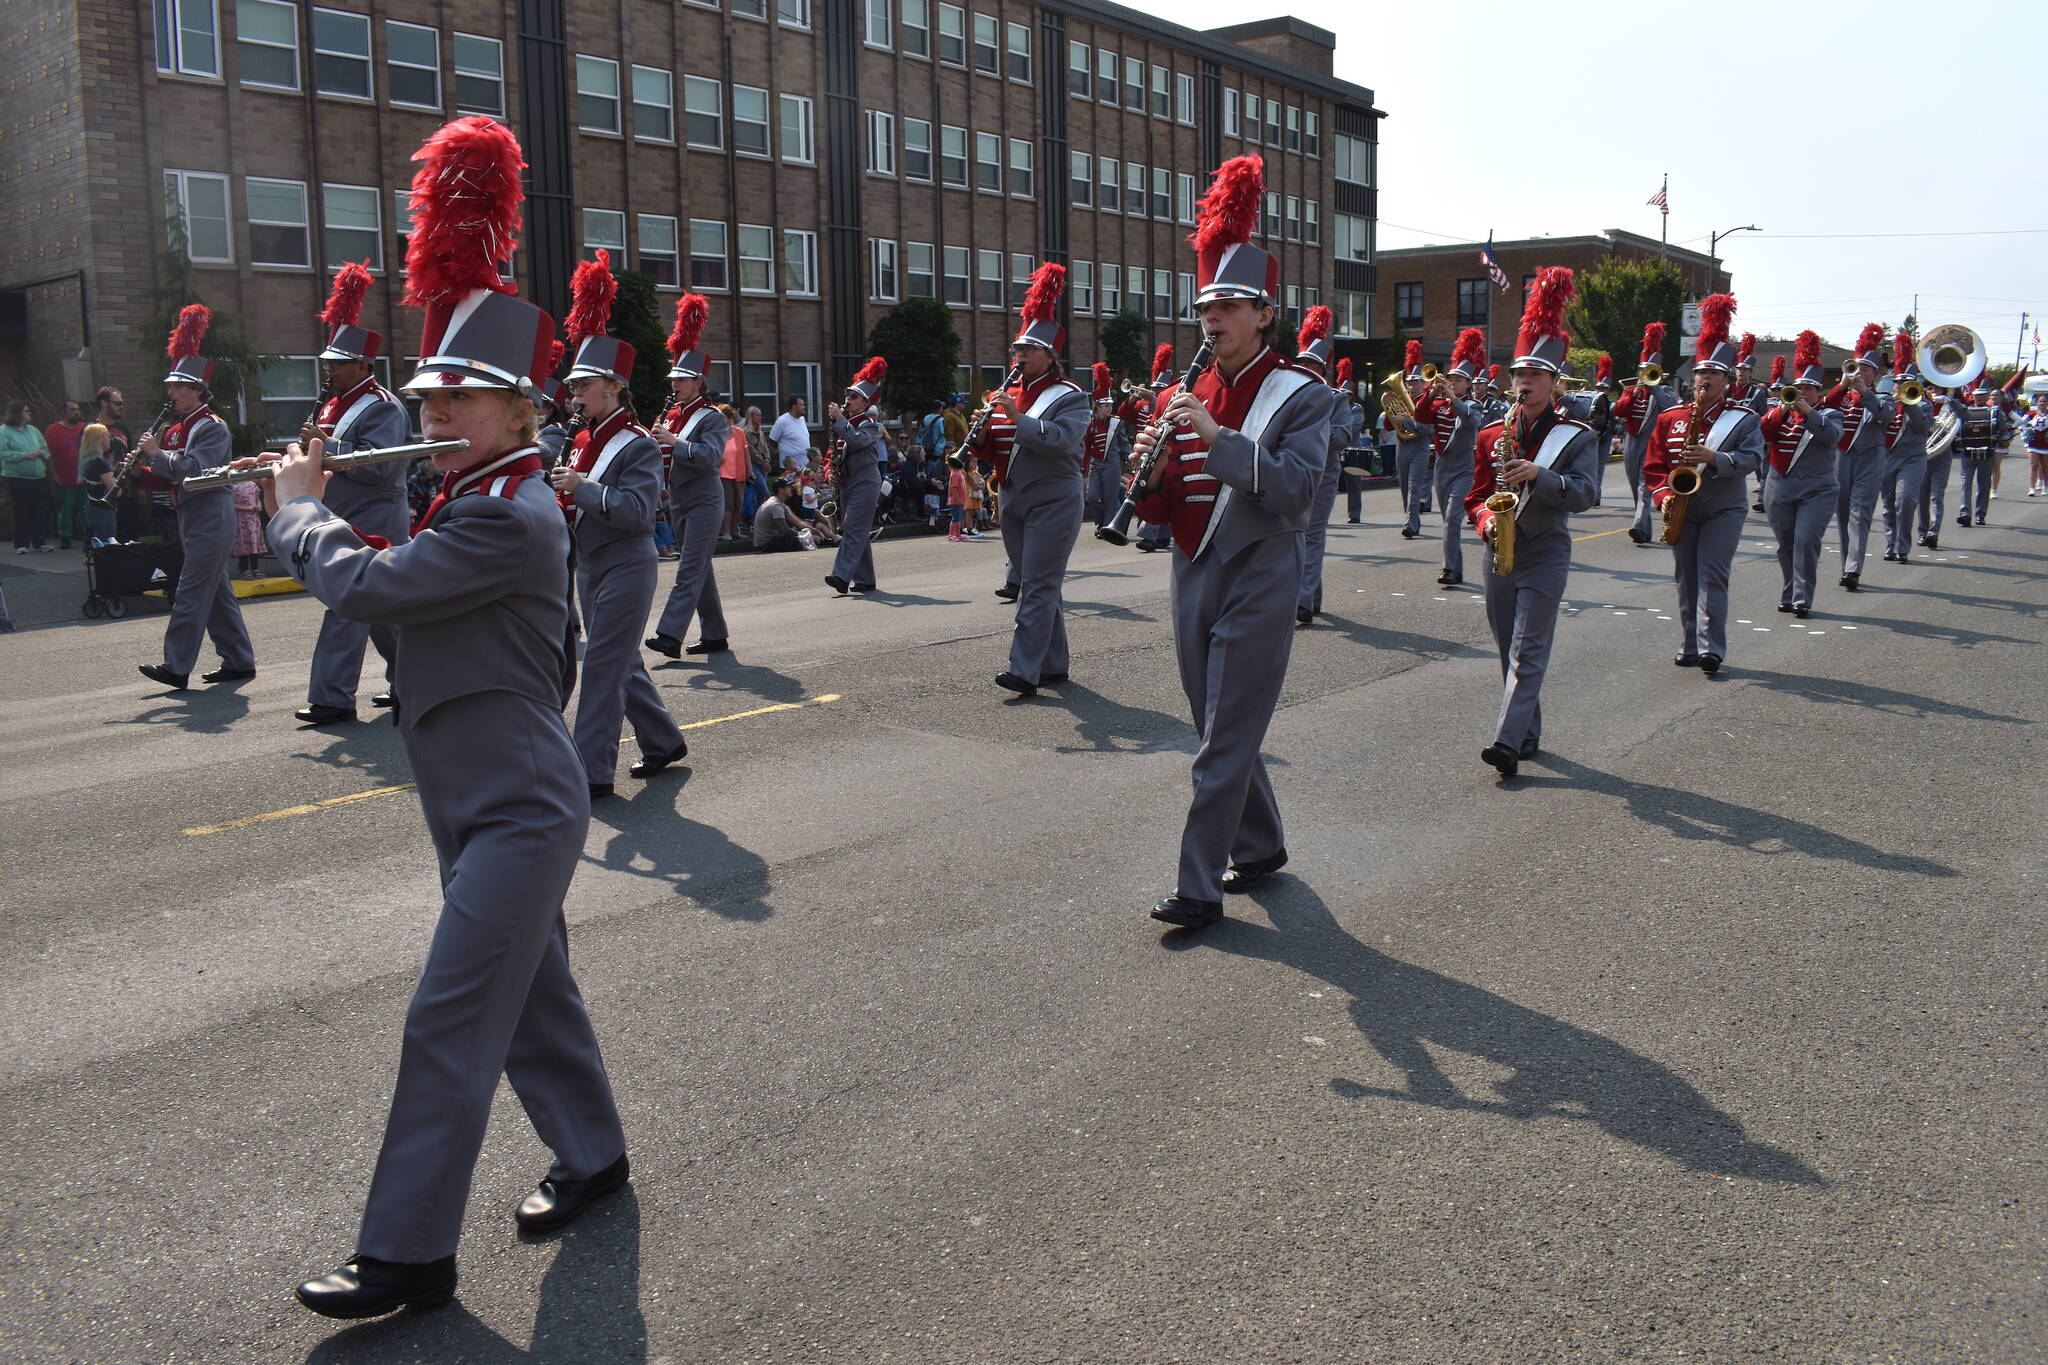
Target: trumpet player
(1412, 444)
(692, 433)
(1721, 443)
(1905, 452)
(1544, 466)
(1859, 458)
(1641, 403)
(1454, 429)
(1800, 496)
(1312, 353)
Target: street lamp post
(1714, 240)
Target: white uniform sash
(1278, 386)
(342, 424)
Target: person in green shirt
(25, 464)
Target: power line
(1838, 236)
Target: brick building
(1434, 292)
(805, 163)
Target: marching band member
(1934, 488)
(359, 414)
(1555, 469)
(1035, 437)
(610, 487)
(1350, 412)
(479, 598)
(1638, 408)
(859, 469)
(1454, 426)
(1576, 404)
(1800, 496)
(1312, 346)
(1745, 392)
(1905, 460)
(204, 605)
(1859, 458)
(693, 432)
(1769, 400)
(1249, 439)
(1102, 471)
(1412, 446)
(1496, 405)
(1722, 441)
(1601, 418)
(1152, 538)
(1976, 446)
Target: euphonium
(1684, 479)
(1394, 399)
(1502, 503)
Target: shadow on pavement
(1922, 630)
(1845, 693)
(1558, 1071)
(1403, 641)
(1104, 725)
(724, 673)
(650, 838)
(1107, 611)
(204, 710)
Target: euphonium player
(1859, 456)
(1248, 442)
(1412, 451)
(1556, 471)
(1638, 408)
(1724, 450)
(1800, 496)
(1453, 423)
(1312, 353)
(1905, 453)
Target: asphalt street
(1718, 1034)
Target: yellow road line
(314, 806)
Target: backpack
(931, 434)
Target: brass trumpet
(1910, 393)
(1650, 376)
(1788, 394)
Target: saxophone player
(1721, 442)
(1550, 467)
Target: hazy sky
(1815, 124)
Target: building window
(604, 230)
(187, 37)
(412, 64)
(1022, 168)
(1272, 228)
(1162, 295)
(703, 113)
(1184, 297)
(654, 105)
(1472, 301)
(597, 94)
(1352, 236)
(917, 149)
(277, 222)
(1162, 193)
(955, 286)
(1112, 287)
(1184, 98)
(707, 254)
(1293, 218)
(803, 383)
(1233, 113)
(267, 43)
(401, 222)
(1105, 76)
(718, 384)
(881, 143)
(1081, 284)
(952, 155)
(201, 202)
(290, 386)
(1292, 295)
(1018, 39)
(917, 28)
(341, 54)
(988, 58)
(757, 258)
(1353, 160)
(1184, 198)
(800, 262)
(793, 13)
(1407, 300)
(953, 35)
(880, 21)
(1134, 83)
(798, 145)
(989, 279)
(1293, 127)
(1162, 92)
(746, 9)
(1312, 133)
(1353, 313)
(1253, 112)
(1312, 222)
(988, 162)
(1107, 179)
(750, 120)
(354, 224)
(1083, 191)
(658, 254)
(1134, 288)
(479, 75)
(1273, 133)
(919, 271)
(757, 386)
(881, 270)
(1021, 266)
(1078, 83)
(1134, 189)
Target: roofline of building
(1221, 49)
(1610, 238)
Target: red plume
(591, 291)
(1543, 311)
(692, 312)
(1411, 356)
(874, 372)
(193, 320)
(1104, 384)
(1806, 351)
(1493, 373)
(465, 210)
(345, 298)
(1470, 349)
(1345, 374)
(1869, 339)
(1315, 327)
(1653, 342)
(1162, 359)
(556, 350)
(1042, 299)
(1605, 368)
(1777, 370)
(1716, 312)
(1902, 352)
(1745, 354)
(1229, 212)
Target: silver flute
(226, 474)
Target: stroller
(116, 572)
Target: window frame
(784, 103)
(1162, 296)
(1233, 112)
(1184, 197)
(982, 141)
(809, 241)
(879, 141)
(391, 63)
(741, 258)
(242, 39)
(1111, 289)
(959, 14)
(948, 133)
(171, 48)
(1401, 290)
(1080, 180)
(584, 94)
(911, 273)
(1109, 182)
(921, 48)
(926, 151)
(793, 14)
(674, 252)
(766, 123)
(1105, 81)
(965, 276)
(367, 57)
(1162, 92)
(1135, 189)
(1184, 99)
(983, 279)
(304, 225)
(1162, 194)
(375, 230)
(1081, 286)
(717, 113)
(668, 79)
(992, 45)
(1468, 289)
(589, 242)
(457, 39)
(724, 257)
(1028, 171)
(1017, 60)
(887, 13)
(1134, 90)
(1077, 48)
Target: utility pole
(2020, 347)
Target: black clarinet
(988, 410)
(1117, 530)
(125, 482)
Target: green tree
(637, 321)
(238, 362)
(1123, 346)
(1617, 299)
(923, 351)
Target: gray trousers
(1799, 519)
(855, 561)
(1233, 630)
(1634, 448)
(1411, 467)
(696, 522)
(506, 806)
(614, 682)
(1521, 607)
(1976, 495)
(1857, 484)
(205, 604)
(1354, 497)
(1701, 563)
(1317, 537)
(1934, 494)
(1453, 482)
(1902, 482)
(1103, 489)
(1040, 525)
(338, 652)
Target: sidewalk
(49, 590)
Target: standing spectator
(956, 498)
(732, 474)
(96, 477)
(249, 543)
(791, 436)
(25, 464)
(67, 497)
(931, 433)
(956, 422)
(111, 409)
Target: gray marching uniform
(1346, 420)
(1522, 606)
(1105, 486)
(1635, 447)
(371, 499)
(1703, 560)
(205, 603)
(860, 489)
(1411, 467)
(1233, 629)
(1905, 474)
(1979, 445)
(480, 602)
(1859, 475)
(696, 512)
(1454, 481)
(1934, 487)
(1041, 522)
(1757, 399)
(616, 569)
(1799, 502)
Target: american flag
(1661, 199)
(1493, 270)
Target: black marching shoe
(315, 714)
(366, 1287)
(1932, 542)
(1450, 578)
(1686, 660)
(1639, 537)
(1051, 679)
(1891, 557)
(1710, 664)
(1408, 534)
(1502, 757)
(1850, 580)
(1185, 912)
(226, 674)
(161, 673)
(718, 646)
(647, 765)
(1799, 610)
(1784, 606)
(383, 701)
(1008, 592)
(836, 583)
(861, 587)
(1242, 877)
(600, 790)
(1351, 521)
(1905, 559)
(1016, 684)
(1756, 507)
(1963, 520)
(1980, 521)
(1530, 745)
(1304, 617)
(665, 644)
(1144, 547)
(556, 1203)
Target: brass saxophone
(1684, 479)
(1502, 503)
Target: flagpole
(1664, 216)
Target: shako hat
(592, 290)
(1541, 343)
(347, 339)
(187, 365)
(1227, 265)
